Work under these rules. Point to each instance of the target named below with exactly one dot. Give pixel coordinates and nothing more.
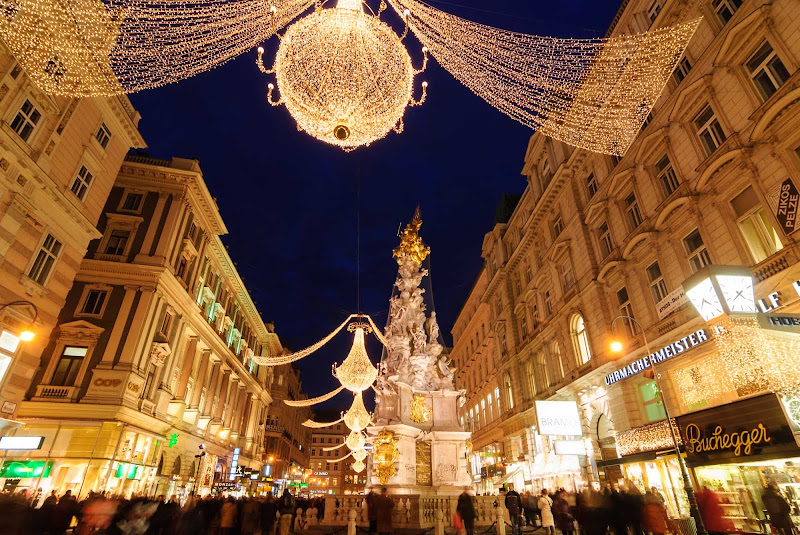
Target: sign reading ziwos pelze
(784, 200)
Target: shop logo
(739, 442)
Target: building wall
(39, 197)
(552, 248)
(163, 327)
(329, 477)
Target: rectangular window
(566, 274)
(558, 227)
(761, 237)
(9, 342)
(166, 323)
(604, 237)
(726, 8)
(709, 130)
(103, 135)
(117, 242)
(681, 70)
(546, 174)
(657, 285)
(591, 185)
(651, 400)
(654, 9)
(548, 303)
(767, 71)
(81, 183)
(26, 120)
(534, 315)
(633, 212)
(68, 366)
(666, 176)
(45, 259)
(133, 202)
(696, 249)
(523, 325)
(95, 299)
(625, 309)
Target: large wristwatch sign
(754, 427)
(673, 349)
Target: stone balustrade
(411, 511)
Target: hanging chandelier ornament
(358, 467)
(357, 372)
(355, 440)
(357, 418)
(344, 75)
(82, 48)
(360, 455)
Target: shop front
(736, 450)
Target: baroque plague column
(420, 448)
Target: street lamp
(27, 334)
(199, 458)
(616, 347)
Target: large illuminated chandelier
(343, 74)
(356, 374)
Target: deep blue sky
(290, 201)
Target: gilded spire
(411, 244)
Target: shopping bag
(458, 522)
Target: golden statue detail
(385, 455)
(420, 411)
(411, 245)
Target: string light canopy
(81, 48)
(344, 76)
(591, 93)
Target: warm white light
(357, 373)
(357, 418)
(27, 336)
(355, 440)
(738, 292)
(359, 455)
(358, 467)
(705, 299)
(616, 346)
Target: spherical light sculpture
(359, 455)
(357, 418)
(355, 440)
(344, 76)
(358, 466)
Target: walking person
(372, 512)
(286, 506)
(546, 511)
(565, 522)
(466, 508)
(268, 513)
(654, 515)
(384, 505)
(778, 509)
(513, 503)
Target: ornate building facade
(329, 477)
(286, 439)
(59, 158)
(594, 237)
(145, 385)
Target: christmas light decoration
(343, 75)
(313, 401)
(340, 446)
(590, 93)
(319, 425)
(340, 459)
(355, 440)
(357, 418)
(651, 437)
(359, 455)
(79, 48)
(357, 372)
(358, 467)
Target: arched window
(556, 362)
(483, 412)
(491, 408)
(471, 422)
(478, 423)
(541, 370)
(530, 373)
(509, 392)
(580, 340)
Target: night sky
(291, 202)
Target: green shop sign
(23, 469)
(127, 471)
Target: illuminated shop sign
(23, 469)
(665, 353)
(127, 471)
(21, 443)
(558, 418)
(234, 464)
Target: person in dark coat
(268, 511)
(384, 505)
(62, 515)
(564, 520)
(513, 503)
(466, 508)
(778, 509)
(372, 512)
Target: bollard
(501, 523)
(351, 524)
(439, 522)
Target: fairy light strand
(313, 401)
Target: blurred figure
(561, 510)
(268, 513)
(227, 517)
(384, 505)
(513, 503)
(97, 512)
(633, 505)
(63, 513)
(286, 507)
(654, 515)
(778, 509)
(546, 511)
(249, 517)
(372, 512)
(712, 513)
(466, 508)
